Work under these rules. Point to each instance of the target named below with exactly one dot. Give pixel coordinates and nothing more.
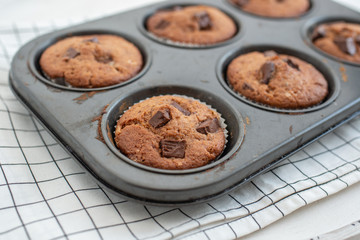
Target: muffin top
(339, 39)
(170, 132)
(277, 80)
(200, 25)
(91, 61)
(274, 8)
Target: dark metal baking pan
(259, 136)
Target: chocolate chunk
(94, 40)
(347, 45)
(160, 118)
(181, 109)
(203, 20)
(172, 148)
(270, 53)
(357, 39)
(247, 86)
(209, 126)
(241, 3)
(104, 58)
(59, 80)
(292, 64)
(267, 70)
(72, 53)
(162, 24)
(319, 32)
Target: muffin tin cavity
(34, 58)
(168, 42)
(233, 121)
(279, 18)
(312, 24)
(330, 76)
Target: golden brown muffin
(201, 25)
(339, 39)
(280, 81)
(170, 132)
(91, 61)
(274, 8)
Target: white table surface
(294, 226)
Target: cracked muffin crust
(91, 61)
(339, 39)
(202, 25)
(274, 8)
(277, 80)
(170, 132)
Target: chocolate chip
(181, 109)
(72, 53)
(270, 53)
(162, 24)
(94, 40)
(104, 58)
(208, 126)
(172, 148)
(319, 32)
(267, 70)
(203, 20)
(59, 80)
(160, 118)
(241, 3)
(347, 45)
(292, 64)
(247, 86)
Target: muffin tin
(259, 136)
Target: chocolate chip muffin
(170, 132)
(339, 39)
(199, 25)
(91, 61)
(277, 80)
(274, 8)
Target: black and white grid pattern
(46, 195)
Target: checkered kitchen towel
(45, 195)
